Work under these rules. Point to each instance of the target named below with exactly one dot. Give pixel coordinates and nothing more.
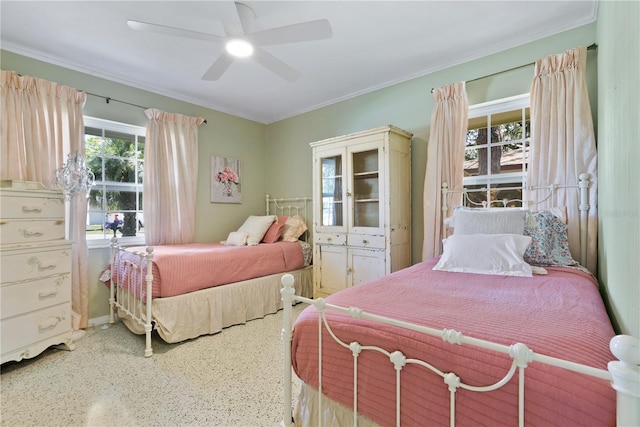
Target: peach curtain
(563, 142)
(445, 156)
(41, 123)
(170, 177)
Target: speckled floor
(233, 378)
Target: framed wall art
(226, 186)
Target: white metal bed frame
(138, 310)
(624, 373)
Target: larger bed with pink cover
(504, 328)
(559, 314)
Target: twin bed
(200, 288)
(447, 341)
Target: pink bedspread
(560, 314)
(179, 269)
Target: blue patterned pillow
(549, 241)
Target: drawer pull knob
(50, 322)
(365, 242)
(31, 209)
(329, 239)
(32, 232)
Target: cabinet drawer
(24, 330)
(32, 207)
(30, 296)
(17, 231)
(31, 265)
(329, 239)
(365, 241)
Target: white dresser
(35, 271)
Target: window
(115, 154)
(495, 158)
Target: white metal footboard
(131, 288)
(624, 374)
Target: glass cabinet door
(366, 192)
(331, 190)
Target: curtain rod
(108, 99)
(593, 46)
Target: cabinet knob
(348, 194)
(365, 242)
(329, 239)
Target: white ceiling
(375, 44)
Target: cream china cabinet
(361, 207)
(35, 271)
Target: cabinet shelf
(367, 200)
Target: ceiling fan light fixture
(239, 48)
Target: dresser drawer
(22, 265)
(30, 296)
(24, 330)
(32, 207)
(19, 231)
(329, 239)
(365, 241)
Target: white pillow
(256, 227)
(236, 238)
(489, 221)
(499, 254)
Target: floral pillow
(549, 241)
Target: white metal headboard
(584, 181)
(292, 206)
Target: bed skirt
(333, 413)
(208, 311)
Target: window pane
(119, 170)
(332, 191)
(120, 147)
(95, 164)
(512, 158)
(511, 193)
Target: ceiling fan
(241, 42)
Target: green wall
(285, 144)
(618, 161)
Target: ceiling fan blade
(302, 32)
(163, 29)
(237, 20)
(275, 65)
(218, 68)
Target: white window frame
(123, 128)
(491, 108)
